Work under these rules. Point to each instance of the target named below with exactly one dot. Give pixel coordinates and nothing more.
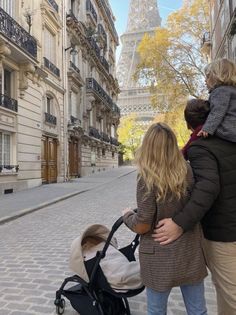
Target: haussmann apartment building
(221, 41)
(58, 91)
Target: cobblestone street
(35, 249)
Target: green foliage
(130, 135)
(171, 60)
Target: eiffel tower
(134, 98)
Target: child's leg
(194, 299)
(157, 302)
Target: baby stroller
(95, 296)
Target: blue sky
(121, 7)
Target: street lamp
(73, 51)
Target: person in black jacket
(213, 202)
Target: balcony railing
(102, 32)
(9, 103)
(74, 67)
(17, 34)
(97, 50)
(95, 46)
(105, 63)
(50, 119)
(48, 64)
(114, 141)
(9, 169)
(93, 85)
(53, 4)
(93, 132)
(90, 9)
(108, 13)
(105, 137)
(116, 109)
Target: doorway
(49, 160)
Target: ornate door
(49, 160)
(74, 160)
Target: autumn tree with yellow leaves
(130, 134)
(171, 62)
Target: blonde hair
(161, 164)
(221, 72)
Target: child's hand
(124, 211)
(203, 134)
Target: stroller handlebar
(115, 227)
(119, 222)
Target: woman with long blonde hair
(163, 187)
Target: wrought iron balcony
(97, 50)
(50, 119)
(105, 137)
(116, 109)
(93, 132)
(108, 13)
(50, 66)
(9, 103)
(102, 32)
(74, 67)
(9, 169)
(95, 46)
(53, 4)
(114, 141)
(17, 34)
(105, 63)
(94, 86)
(90, 9)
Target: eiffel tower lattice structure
(143, 19)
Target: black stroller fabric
(96, 297)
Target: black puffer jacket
(213, 199)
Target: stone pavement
(35, 248)
(20, 203)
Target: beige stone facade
(221, 42)
(58, 117)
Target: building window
(73, 104)
(113, 131)
(8, 6)
(49, 105)
(72, 5)
(6, 82)
(5, 148)
(50, 46)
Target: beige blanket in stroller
(121, 274)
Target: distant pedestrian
(163, 187)
(221, 83)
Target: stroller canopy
(121, 274)
(76, 256)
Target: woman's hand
(126, 210)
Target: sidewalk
(21, 203)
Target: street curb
(26, 211)
(23, 212)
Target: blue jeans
(193, 296)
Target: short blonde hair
(221, 72)
(161, 164)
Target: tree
(130, 135)
(175, 119)
(171, 62)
